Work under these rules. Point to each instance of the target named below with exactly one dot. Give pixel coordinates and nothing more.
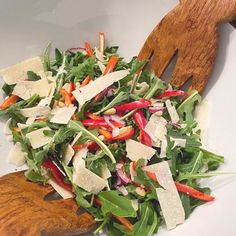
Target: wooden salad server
(190, 30)
(23, 210)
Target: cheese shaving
(35, 111)
(136, 150)
(89, 91)
(16, 156)
(14, 74)
(65, 194)
(63, 115)
(168, 197)
(68, 154)
(172, 112)
(181, 142)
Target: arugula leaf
(33, 76)
(185, 110)
(78, 127)
(122, 96)
(148, 221)
(8, 89)
(155, 86)
(118, 205)
(46, 58)
(34, 176)
(62, 135)
(58, 56)
(185, 199)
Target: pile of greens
(130, 101)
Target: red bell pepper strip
(142, 103)
(93, 116)
(92, 146)
(88, 49)
(107, 135)
(56, 173)
(127, 134)
(186, 189)
(66, 96)
(173, 93)
(9, 101)
(71, 87)
(100, 123)
(111, 65)
(86, 81)
(141, 122)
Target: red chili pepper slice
(100, 123)
(78, 147)
(111, 65)
(56, 173)
(105, 133)
(127, 134)
(173, 93)
(186, 189)
(145, 138)
(142, 103)
(9, 101)
(92, 146)
(66, 96)
(88, 49)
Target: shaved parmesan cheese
(37, 138)
(163, 148)
(101, 66)
(99, 55)
(89, 91)
(172, 112)
(14, 74)
(26, 89)
(63, 115)
(105, 172)
(65, 194)
(30, 120)
(76, 139)
(16, 156)
(156, 128)
(22, 126)
(168, 197)
(35, 111)
(136, 150)
(134, 203)
(181, 142)
(68, 154)
(78, 163)
(88, 181)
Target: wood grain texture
(24, 212)
(191, 31)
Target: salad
(110, 134)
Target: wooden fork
(191, 31)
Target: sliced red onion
(156, 109)
(123, 190)
(76, 49)
(122, 176)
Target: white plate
(27, 26)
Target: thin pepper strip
(93, 116)
(107, 135)
(9, 101)
(66, 96)
(86, 81)
(88, 49)
(186, 189)
(172, 93)
(100, 123)
(141, 122)
(142, 103)
(111, 65)
(56, 173)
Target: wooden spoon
(23, 210)
(191, 30)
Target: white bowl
(28, 26)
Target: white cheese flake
(15, 73)
(26, 89)
(101, 66)
(63, 115)
(89, 91)
(136, 150)
(181, 142)
(16, 156)
(7, 130)
(76, 138)
(35, 111)
(105, 172)
(68, 154)
(30, 120)
(163, 148)
(88, 181)
(22, 126)
(156, 128)
(168, 197)
(37, 138)
(99, 55)
(172, 112)
(65, 194)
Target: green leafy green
(116, 204)
(33, 76)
